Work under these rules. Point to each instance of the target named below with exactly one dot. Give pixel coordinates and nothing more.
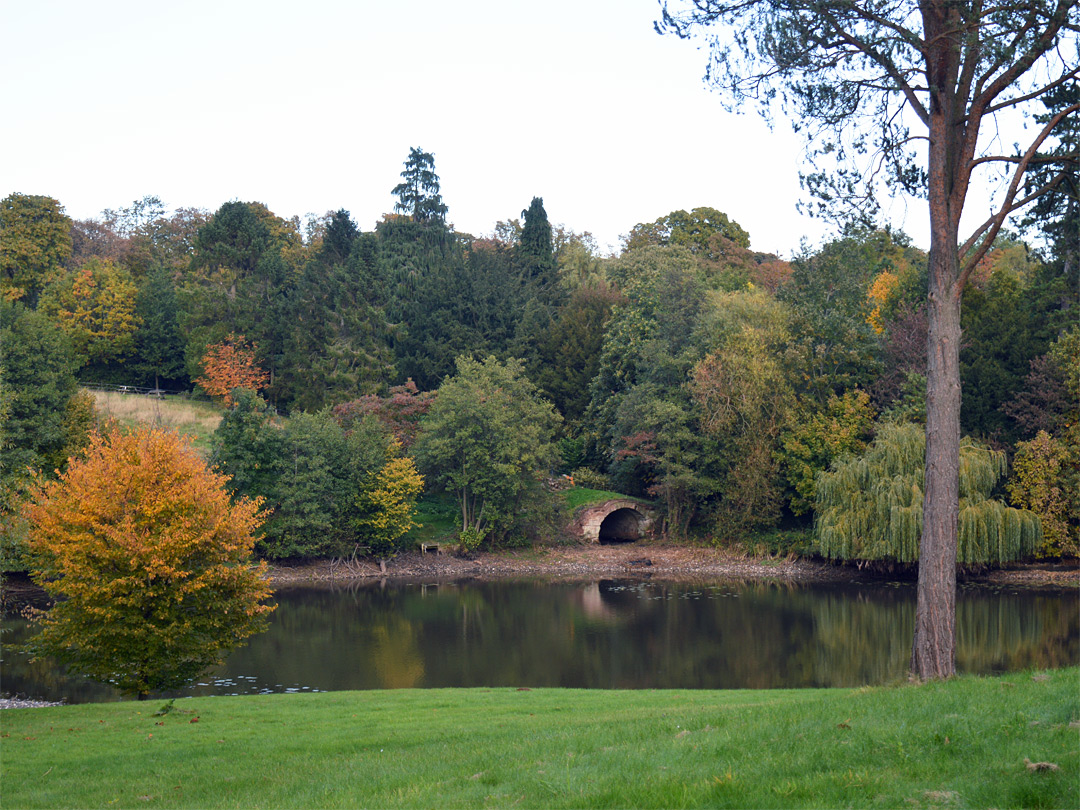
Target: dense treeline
(730, 385)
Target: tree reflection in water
(608, 634)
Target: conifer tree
(418, 195)
(158, 343)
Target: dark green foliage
(534, 254)
(37, 380)
(159, 345)
(1057, 213)
(35, 241)
(336, 345)
(1009, 320)
(832, 342)
(418, 195)
(569, 353)
(248, 445)
(661, 452)
(241, 276)
(308, 469)
(312, 492)
(441, 304)
(640, 409)
(341, 234)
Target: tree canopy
(857, 76)
(150, 559)
(418, 193)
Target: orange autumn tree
(230, 365)
(149, 561)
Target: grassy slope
(958, 744)
(197, 420)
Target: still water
(611, 634)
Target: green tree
(159, 346)
(440, 304)
(149, 560)
(569, 351)
(1041, 482)
(37, 381)
(418, 193)
(745, 401)
(695, 231)
(870, 507)
(857, 74)
(35, 242)
(246, 261)
(387, 504)
(337, 344)
(95, 305)
(817, 438)
(488, 438)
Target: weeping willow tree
(871, 507)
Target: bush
(590, 479)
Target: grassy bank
(958, 744)
(197, 420)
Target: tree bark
(933, 651)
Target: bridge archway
(619, 520)
(621, 526)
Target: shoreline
(642, 559)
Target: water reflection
(607, 634)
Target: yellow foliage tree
(95, 306)
(881, 293)
(149, 560)
(388, 503)
(1040, 483)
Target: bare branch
(1072, 74)
(991, 227)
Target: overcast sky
(312, 106)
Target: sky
(311, 107)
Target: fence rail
(159, 393)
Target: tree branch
(991, 227)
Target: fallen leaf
(194, 720)
(845, 724)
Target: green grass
(196, 420)
(438, 515)
(580, 496)
(956, 744)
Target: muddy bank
(662, 561)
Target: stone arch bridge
(617, 520)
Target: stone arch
(617, 520)
(621, 526)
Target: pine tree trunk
(933, 649)
(933, 652)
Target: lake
(607, 634)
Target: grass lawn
(580, 496)
(196, 420)
(947, 745)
